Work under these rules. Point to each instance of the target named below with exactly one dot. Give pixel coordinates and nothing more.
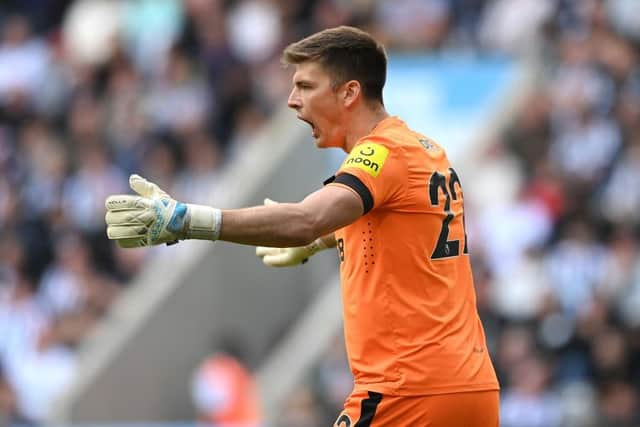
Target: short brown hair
(347, 53)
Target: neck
(362, 124)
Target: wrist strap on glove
(314, 247)
(203, 222)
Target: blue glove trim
(176, 223)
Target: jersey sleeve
(376, 171)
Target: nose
(294, 100)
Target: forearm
(280, 225)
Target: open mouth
(313, 127)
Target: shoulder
(369, 154)
(396, 135)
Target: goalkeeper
(394, 210)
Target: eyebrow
(303, 82)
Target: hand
(287, 257)
(150, 218)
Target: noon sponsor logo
(366, 162)
(369, 157)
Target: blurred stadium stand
(177, 90)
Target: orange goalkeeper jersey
(410, 318)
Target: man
(225, 393)
(395, 212)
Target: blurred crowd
(93, 90)
(559, 278)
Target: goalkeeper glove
(153, 217)
(287, 257)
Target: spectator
(527, 401)
(225, 394)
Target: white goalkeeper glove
(287, 257)
(153, 217)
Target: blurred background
(538, 101)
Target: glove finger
(263, 250)
(117, 232)
(129, 217)
(131, 243)
(281, 259)
(145, 188)
(269, 202)
(120, 202)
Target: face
(318, 104)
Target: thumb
(269, 202)
(145, 188)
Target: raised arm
(153, 217)
(293, 224)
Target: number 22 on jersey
(446, 248)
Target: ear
(351, 92)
